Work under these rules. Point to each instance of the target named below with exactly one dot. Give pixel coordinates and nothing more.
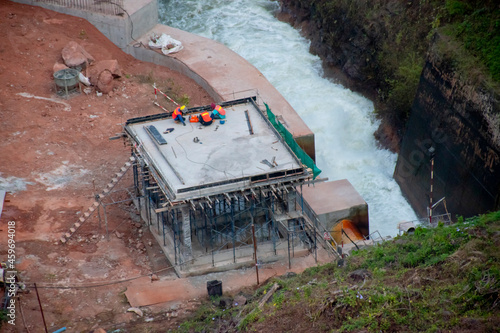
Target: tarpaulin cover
(290, 141)
(166, 43)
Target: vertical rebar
(233, 231)
(163, 222)
(175, 235)
(315, 240)
(41, 309)
(289, 260)
(255, 252)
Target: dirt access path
(54, 152)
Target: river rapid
(342, 120)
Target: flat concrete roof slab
(219, 157)
(332, 196)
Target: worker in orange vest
(205, 118)
(177, 114)
(218, 112)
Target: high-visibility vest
(221, 111)
(177, 112)
(206, 117)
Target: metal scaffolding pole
(163, 222)
(233, 230)
(174, 234)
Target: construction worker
(205, 118)
(218, 112)
(177, 114)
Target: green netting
(290, 141)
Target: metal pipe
(60, 330)
(431, 151)
(41, 309)
(255, 251)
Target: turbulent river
(343, 121)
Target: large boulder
(105, 82)
(103, 65)
(74, 55)
(58, 66)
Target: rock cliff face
(359, 42)
(374, 47)
(461, 121)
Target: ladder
(95, 205)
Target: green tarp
(290, 141)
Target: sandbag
(166, 43)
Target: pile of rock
(99, 74)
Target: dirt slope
(54, 152)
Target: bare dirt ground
(55, 154)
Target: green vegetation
(168, 86)
(438, 279)
(477, 25)
(3, 317)
(389, 42)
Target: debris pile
(98, 74)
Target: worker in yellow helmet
(177, 114)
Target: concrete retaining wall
(138, 18)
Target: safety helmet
(183, 107)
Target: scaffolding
(207, 226)
(220, 226)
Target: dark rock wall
(359, 41)
(462, 122)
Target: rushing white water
(342, 120)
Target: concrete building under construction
(203, 190)
(210, 193)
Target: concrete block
(335, 201)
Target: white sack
(166, 43)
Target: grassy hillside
(441, 279)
